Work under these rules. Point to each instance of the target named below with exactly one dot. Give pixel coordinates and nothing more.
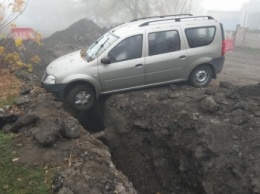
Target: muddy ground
(49, 137)
(184, 140)
(242, 67)
(173, 139)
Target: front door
(126, 68)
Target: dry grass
(9, 87)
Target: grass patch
(17, 179)
(9, 100)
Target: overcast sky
(223, 5)
(48, 16)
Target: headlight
(50, 79)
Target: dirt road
(242, 67)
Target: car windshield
(98, 47)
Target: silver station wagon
(141, 53)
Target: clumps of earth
(164, 140)
(180, 139)
(49, 137)
(170, 139)
(79, 35)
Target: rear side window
(163, 42)
(202, 36)
(130, 48)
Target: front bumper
(56, 89)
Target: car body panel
(148, 70)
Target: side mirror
(105, 61)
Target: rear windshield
(201, 36)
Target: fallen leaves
(35, 59)
(18, 42)
(2, 50)
(9, 86)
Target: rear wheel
(81, 97)
(201, 76)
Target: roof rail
(176, 19)
(163, 16)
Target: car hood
(66, 63)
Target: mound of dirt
(79, 35)
(50, 137)
(181, 139)
(171, 139)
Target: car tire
(81, 97)
(201, 76)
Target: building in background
(22, 33)
(252, 20)
(229, 19)
(250, 16)
(243, 26)
(248, 30)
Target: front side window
(130, 48)
(163, 42)
(202, 36)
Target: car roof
(142, 24)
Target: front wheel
(81, 97)
(201, 76)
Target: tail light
(227, 45)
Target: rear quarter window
(201, 36)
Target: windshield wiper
(101, 46)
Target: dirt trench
(171, 139)
(184, 140)
(167, 140)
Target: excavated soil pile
(168, 140)
(79, 35)
(49, 137)
(185, 140)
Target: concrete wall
(247, 38)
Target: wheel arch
(214, 74)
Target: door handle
(182, 57)
(139, 65)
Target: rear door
(166, 55)
(205, 44)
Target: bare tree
(115, 11)
(175, 6)
(137, 8)
(144, 8)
